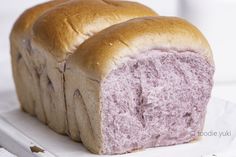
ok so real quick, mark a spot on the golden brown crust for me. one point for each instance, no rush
(25, 21)
(64, 27)
(101, 53)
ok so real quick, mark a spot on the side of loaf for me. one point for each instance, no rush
(140, 84)
(22, 56)
(42, 39)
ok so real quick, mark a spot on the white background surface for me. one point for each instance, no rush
(215, 18)
(5, 153)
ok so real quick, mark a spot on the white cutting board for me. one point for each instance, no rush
(20, 131)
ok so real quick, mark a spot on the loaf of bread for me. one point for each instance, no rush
(42, 39)
(139, 84)
(111, 78)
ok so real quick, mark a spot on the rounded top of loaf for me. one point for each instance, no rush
(105, 50)
(25, 21)
(61, 29)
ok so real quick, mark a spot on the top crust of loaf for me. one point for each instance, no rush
(64, 27)
(24, 23)
(103, 52)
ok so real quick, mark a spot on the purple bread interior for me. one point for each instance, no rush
(156, 98)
